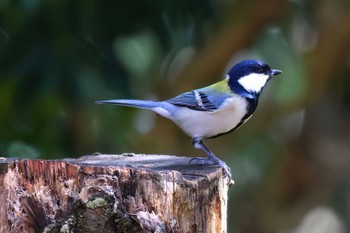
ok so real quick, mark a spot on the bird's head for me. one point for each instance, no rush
(249, 77)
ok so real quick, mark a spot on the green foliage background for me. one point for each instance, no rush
(290, 161)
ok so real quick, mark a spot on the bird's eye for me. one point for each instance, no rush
(263, 69)
(260, 70)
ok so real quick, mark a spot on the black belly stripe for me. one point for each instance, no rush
(252, 104)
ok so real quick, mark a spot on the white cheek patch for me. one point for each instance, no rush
(253, 82)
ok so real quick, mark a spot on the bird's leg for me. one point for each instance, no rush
(212, 159)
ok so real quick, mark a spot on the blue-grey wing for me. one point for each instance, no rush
(200, 100)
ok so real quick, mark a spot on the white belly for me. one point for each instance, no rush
(208, 124)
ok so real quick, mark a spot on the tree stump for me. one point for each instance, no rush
(112, 193)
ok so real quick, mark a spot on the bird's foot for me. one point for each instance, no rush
(227, 170)
(214, 161)
(202, 161)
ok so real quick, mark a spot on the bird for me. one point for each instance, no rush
(213, 110)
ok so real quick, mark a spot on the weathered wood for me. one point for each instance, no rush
(112, 193)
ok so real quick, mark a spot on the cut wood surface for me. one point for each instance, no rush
(112, 193)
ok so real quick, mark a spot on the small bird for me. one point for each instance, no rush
(214, 110)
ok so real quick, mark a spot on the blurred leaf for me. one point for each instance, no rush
(22, 150)
(137, 52)
(292, 83)
(4, 37)
(250, 162)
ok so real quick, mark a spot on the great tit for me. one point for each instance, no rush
(214, 110)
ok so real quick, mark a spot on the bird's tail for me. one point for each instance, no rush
(146, 104)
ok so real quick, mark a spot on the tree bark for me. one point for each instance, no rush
(112, 193)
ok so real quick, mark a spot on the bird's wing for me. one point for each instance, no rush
(205, 99)
(195, 100)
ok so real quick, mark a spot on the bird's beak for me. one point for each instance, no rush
(275, 72)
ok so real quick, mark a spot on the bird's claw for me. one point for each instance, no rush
(227, 170)
(208, 161)
(203, 161)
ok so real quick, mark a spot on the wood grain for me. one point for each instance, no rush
(112, 193)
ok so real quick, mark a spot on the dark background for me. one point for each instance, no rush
(290, 162)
